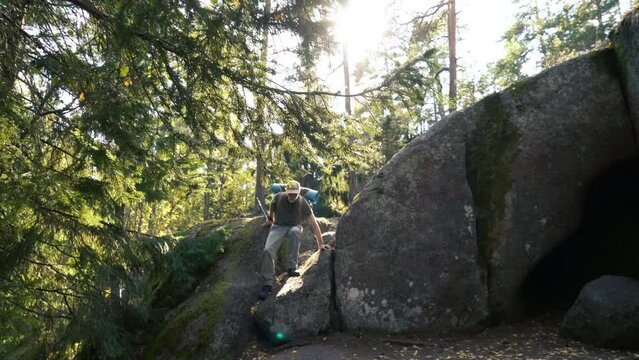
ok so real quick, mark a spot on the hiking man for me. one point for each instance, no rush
(290, 210)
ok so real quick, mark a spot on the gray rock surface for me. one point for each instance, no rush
(407, 249)
(533, 151)
(302, 306)
(452, 225)
(606, 313)
(625, 40)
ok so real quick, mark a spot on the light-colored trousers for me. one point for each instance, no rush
(273, 243)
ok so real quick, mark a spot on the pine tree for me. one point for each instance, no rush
(553, 34)
(109, 111)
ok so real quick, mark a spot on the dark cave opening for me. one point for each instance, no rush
(606, 243)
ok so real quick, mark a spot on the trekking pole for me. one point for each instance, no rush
(261, 207)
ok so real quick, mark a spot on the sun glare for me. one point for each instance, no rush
(361, 25)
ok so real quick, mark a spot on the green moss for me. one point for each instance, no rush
(493, 146)
(242, 233)
(621, 54)
(606, 62)
(521, 88)
(210, 304)
(209, 225)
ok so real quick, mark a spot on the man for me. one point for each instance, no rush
(290, 210)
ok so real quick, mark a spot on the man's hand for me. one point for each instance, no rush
(268, 222)
(325, 247)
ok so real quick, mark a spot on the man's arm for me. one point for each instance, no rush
(271, 211)
(318, 233)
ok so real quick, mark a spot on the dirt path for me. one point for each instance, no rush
(532, 339)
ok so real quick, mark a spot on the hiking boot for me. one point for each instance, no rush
(264, 292)
(292, 272)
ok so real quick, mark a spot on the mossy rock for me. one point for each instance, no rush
(216, 320)
(479, 200)
(533, 149)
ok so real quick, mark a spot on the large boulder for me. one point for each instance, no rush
(533, 151)
(302, 307)
(626, 45)
(216, 321)
(606, 313)
(407, 249)
(452, 225)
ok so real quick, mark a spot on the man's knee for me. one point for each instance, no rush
(295, 231)
(271, 252)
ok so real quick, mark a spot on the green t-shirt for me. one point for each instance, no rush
(290, 213)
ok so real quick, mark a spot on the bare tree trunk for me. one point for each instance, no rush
(352, 176)
(207, 193)
(452, 55)
(259, 146)
(152, 221)
(259, 180)
(140, 220)
(11, 38)
(347, 81)
(438, 97)
(221, 199)
(599, 36)
(207, 205)
(435, 109)
(543, 48)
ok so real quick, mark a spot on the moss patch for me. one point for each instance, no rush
(242, 234)
(492, 149)
(620, 51)
(209, 225)
(200, 316)
(605, 62)
(210, 306)
(520, 89)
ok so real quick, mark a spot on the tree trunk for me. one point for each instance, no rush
(452, 55)
(152, 222)
(11, 22)
(543, 48)
(599, 39)
(207, 205)
(220, 208)
(435, 109)
(352, 177)
(207, 193)
(259, 146)
(140, 219)
(347, 81)
(259, 180)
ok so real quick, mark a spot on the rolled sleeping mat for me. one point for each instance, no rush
(309, 194)
(276, 188)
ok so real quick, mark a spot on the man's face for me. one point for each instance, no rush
(292, 197)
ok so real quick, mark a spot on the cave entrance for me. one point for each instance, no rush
(606, 243)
